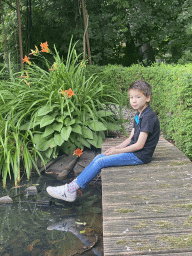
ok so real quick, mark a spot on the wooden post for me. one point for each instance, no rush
(20, 37)
(86, 34)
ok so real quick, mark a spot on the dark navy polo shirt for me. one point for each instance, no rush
(148, 122)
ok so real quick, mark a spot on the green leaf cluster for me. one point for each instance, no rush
(37, 102)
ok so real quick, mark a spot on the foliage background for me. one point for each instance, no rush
(164, 27)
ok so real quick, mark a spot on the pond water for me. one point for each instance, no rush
(40, 225)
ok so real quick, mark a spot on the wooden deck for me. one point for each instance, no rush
(147, 210)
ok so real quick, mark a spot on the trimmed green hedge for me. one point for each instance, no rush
(171, 99)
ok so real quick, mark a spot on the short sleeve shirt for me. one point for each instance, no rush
(148, 122)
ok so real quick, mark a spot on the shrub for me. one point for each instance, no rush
(56, 109)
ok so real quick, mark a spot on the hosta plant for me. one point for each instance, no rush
(60, 108)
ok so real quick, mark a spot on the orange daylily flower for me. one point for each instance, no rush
(26, 59)
(78, 152)
(44, 47)
(45, 50)
(69, 92)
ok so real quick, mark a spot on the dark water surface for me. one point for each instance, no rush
(40, 225)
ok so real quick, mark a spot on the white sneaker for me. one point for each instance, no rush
(61, 192)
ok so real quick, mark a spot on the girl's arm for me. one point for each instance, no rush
(132, 148)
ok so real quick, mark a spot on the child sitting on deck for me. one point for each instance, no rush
(137, 149)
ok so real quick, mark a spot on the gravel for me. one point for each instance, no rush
(128, 115)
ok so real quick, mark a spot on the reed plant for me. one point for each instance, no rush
(53, 109)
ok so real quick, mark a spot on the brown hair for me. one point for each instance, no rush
(141, 86)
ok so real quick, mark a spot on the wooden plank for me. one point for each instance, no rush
(147, 208)
(143, 245)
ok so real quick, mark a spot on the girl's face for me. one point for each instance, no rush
(138, 100)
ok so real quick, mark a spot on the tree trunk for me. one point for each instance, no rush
(86, 36)
(19, 32)
(29, 25)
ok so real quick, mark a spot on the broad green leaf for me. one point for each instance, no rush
(59, 119)
(25, 126)
(97, 126)
(96, 142)
(65, 132)
(68, 121)
(102, 134)
(37, 121)
(73, 137)
(57, 126)
(44, 110)
(48, 130)
(87, 133)
(41, 143)
(46, 120)
(113, 127)
(78, 144)
(93, 141)
(77, 120)
(99, 142)
(104, 113)
(58, 139)
(85, 143)
(68, 147)
(52, 143)
(48, 152)
(77, 129)
(66, 113)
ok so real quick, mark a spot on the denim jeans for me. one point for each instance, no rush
(102, 161)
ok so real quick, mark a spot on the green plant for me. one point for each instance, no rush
(58, 106)
(16, 152)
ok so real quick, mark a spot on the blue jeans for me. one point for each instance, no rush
(101, 161)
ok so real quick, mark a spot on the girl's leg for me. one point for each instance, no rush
(102, 161)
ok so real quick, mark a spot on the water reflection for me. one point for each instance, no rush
(79, 230)
(38, 225)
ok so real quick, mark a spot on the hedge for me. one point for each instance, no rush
(171, 98)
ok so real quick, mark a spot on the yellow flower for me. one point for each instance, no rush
(34, 52)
